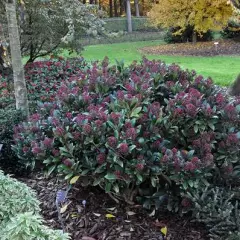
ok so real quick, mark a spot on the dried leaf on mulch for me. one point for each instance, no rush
(90, 222)
(213, 48)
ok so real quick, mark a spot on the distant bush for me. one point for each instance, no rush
(120, 24)
(186, 36)
(127, 37)
(19, 213)
(232, 30)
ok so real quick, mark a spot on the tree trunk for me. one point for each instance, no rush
(18, 71)
(115, 8)
(194, 37)
(136, 3)
(129, 17)
(121, 3)
(110, 8)
(143, 8)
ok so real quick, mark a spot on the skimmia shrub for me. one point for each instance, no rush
(150, 131)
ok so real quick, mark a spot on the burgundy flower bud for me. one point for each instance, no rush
(25, 149)
(59, 131)
(67, 162)
(131, 133)
(140, 166)
(55, 152)
(36, 150)
(156, 144)
(117, 174)
(76, 135)
(174, 150)
(112, 142)
(195, 161)
(115, 117)
(191, 110)
(69, 115)
(189, 167)
(123, 149)
(101, 158)
(165, 159)
(48, 142)
(87, 129)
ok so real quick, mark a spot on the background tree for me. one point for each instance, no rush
(45, 25)
(201, 15)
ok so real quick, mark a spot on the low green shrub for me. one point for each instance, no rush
(127, 37)
(15, 197)
(28, 226)
(19, 213)
(120, 24)
(217, 208)
(8, 119)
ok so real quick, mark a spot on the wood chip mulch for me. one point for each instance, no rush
(205, 49)
(90, 222)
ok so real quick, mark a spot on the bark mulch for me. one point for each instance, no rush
(90, 222)
(205, 49)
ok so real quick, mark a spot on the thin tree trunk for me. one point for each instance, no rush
(115, 8)
(121, 3)
(18, 71)
(129, 17)
(110, 8)
(194, 37)
(136, 3)
(143, 7)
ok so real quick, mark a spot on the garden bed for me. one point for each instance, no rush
(214, 48)
(129, 222)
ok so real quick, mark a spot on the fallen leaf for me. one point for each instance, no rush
(164, 231)
(88, 238)
(74, 179)
(108, 215)
(125, 234)
(64, 208)
(111, 209)
(130, 213)
(97, 214)
(152, 213)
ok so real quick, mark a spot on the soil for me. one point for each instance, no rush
(90, 222)
(205, 49)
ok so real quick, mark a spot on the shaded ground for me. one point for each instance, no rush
(90, 223)
(214, 48)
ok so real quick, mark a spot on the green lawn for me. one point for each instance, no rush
(223, 69)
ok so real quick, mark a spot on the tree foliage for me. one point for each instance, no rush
(202, 15)
(45, 25)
